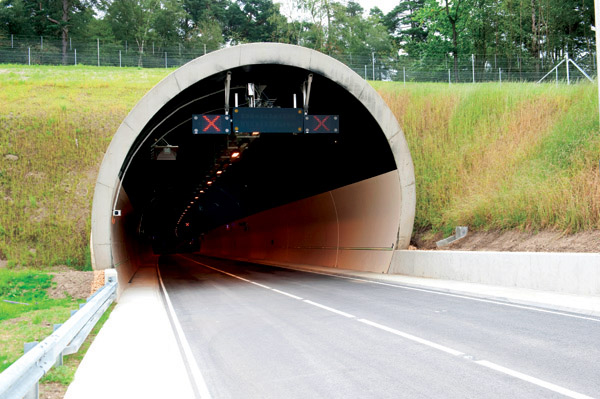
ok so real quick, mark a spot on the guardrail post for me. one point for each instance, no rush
(34, 392)
(59, 359)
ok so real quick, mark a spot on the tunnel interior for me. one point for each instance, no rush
(176, 201)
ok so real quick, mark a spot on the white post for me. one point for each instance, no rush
(28, 55)
(152, 48)
(373, 56)
(568, 78)
(365, 72)
(42, 42)
(166, 60)
(404, 74)
(597, 8)
(75, 56)
(473, 66)
(98, 47)
(500, 74)
(449, 81)
(119, 58)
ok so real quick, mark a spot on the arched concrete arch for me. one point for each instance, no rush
(108, 244)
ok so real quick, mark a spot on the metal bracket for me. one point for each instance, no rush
(306, 92)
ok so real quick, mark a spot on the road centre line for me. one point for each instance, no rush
(484, 363)
(433, 291)
(348, 315)
(185, 345)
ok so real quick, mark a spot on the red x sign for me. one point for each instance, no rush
(211, 123)
(322, 124)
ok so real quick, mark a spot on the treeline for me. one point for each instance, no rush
(523, 32)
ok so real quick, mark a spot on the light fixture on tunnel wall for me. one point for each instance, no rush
(165, 153)
(235, 154)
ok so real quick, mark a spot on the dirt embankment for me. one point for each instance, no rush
(76, 284)
(516, 241)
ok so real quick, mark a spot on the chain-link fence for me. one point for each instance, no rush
(373, 66)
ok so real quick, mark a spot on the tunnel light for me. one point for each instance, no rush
(209, 182)
(219, 172)
(256, 133)
(192, 202)
(201, 191)
(196, 198)
(189, 206)
(235, 154)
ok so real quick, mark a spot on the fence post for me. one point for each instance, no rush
(119, 58)
(41, 42)
(365, 72)
(373, 56)
(28, 55)
(557, 76)
(11, 42)
(98, 48)
(473, 66)
(166, 65)
(449, 81)
(404, 74)
(568, 78)
(500, 74)
(75, 56)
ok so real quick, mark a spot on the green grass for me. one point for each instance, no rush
(29, 289)
(58, 121)
(511, 156)
(32, 322)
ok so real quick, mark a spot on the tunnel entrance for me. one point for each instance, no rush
(230, 195)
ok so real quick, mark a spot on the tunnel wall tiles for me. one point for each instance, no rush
(353, 227)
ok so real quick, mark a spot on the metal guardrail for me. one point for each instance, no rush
(21, 378)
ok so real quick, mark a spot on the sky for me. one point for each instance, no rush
(288, 6)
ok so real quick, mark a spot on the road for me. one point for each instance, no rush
(254, 331)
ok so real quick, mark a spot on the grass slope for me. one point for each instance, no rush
(510, 156)
(488, 156)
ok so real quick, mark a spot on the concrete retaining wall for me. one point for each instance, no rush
(574, 273)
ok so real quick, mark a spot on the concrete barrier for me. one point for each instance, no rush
(573, 273)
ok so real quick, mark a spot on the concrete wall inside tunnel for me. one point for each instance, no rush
(354, 226)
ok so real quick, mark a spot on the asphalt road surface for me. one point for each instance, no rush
(254, 331)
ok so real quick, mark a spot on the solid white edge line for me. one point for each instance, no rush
(433, 291)
(348, 315)
(187, 350)
(413, 338)
(533, 380)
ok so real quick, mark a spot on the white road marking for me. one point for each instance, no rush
(533, 380)
(348, 315)
(442, 348)
(422, 341)
(187, 350)
(286, 294)
(433, 291)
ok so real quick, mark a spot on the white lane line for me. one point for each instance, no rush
(533, 380)
(286, 294)
(422, 341)
(348, 315)
(260, 285)
(433, 291)
(187, 350)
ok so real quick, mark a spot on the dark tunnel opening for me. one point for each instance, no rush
(172, 199)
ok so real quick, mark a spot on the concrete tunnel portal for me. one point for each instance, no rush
(342, 199)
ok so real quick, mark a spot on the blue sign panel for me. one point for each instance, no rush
(267, 120)
(211, 124)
